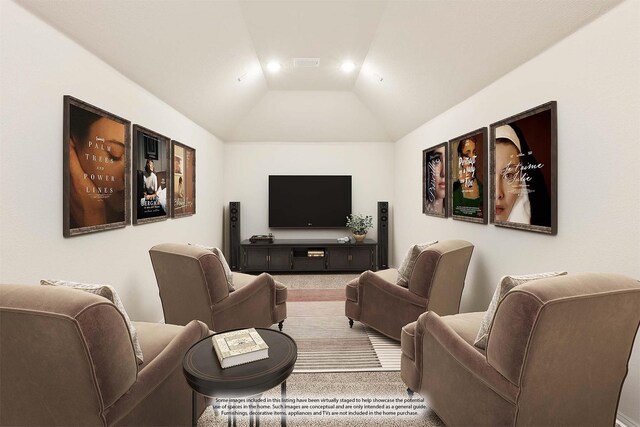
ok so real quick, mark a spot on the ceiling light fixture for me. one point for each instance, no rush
(274, 66)
(348, 66)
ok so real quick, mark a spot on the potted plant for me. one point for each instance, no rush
(359, 224)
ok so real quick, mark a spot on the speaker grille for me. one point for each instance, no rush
(234, 236)
(383, 235)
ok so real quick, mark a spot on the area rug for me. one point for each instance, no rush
(315, 281)
(300, 295)
(326, 343)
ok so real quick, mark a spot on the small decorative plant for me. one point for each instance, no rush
(359, 224)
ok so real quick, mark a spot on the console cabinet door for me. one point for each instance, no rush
(361, 258)
(256, 259)
(280, 259)
(338, 259)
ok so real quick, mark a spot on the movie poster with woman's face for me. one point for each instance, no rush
(95, 170)
(184, 180)
(434, 181)
(151, 156)
(524, 170)
(467, 165)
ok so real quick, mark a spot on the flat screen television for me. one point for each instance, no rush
(309, 201)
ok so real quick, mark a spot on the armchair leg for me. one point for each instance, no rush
(280, 323)
(350, 322)
(410, 393)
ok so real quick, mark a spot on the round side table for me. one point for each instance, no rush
(202, 370)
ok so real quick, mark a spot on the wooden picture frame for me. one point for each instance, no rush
(183, 171)
(96, 174)
(434, 181)
(151, 187)
(467, 190)
(524, 170)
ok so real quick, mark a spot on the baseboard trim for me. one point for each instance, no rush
(623, 421)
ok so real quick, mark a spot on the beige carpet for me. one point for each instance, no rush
(386, 385)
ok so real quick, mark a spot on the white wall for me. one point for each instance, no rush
(39, 66)
(248, 166)
(595, 76)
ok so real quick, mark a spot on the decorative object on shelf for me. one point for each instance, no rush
(524, 170)
(152, 176)
(434, 181)
(261, 238)
(95, 169)
(467, 192)
(359, 224)
(239, 347)
(183, 196)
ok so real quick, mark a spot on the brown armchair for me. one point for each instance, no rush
(193, 285)
(66, 358)
(435, 284)
(557, 354)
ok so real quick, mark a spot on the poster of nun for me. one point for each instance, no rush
(184, 180)
(151, 169)
(524, 170)
(468, 173)
(434, 181)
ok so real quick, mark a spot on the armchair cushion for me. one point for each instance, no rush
(409, 263)
(109, 293)
(506, 284)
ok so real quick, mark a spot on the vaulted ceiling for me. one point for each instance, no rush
(414, 58)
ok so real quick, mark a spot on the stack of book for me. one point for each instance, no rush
(239, 347)
(315, 253)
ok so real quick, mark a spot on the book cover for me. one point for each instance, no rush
(238, 347)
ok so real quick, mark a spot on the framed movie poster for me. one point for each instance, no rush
(184, 180)
(434, 181)
(468, 166)
(152, 173)
(95, 169)
(524, 170)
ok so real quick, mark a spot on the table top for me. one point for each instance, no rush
(204, 374)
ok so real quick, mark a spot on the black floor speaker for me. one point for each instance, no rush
(234, 235)
(383, 235)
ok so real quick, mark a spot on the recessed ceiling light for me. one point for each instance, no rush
(348, 66)
(274, 66)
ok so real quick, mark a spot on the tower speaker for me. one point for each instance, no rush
(234, 235)
(383, 235)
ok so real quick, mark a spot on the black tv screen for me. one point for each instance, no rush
(309, 201)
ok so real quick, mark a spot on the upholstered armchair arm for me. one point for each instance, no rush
(253, 305)
(464, 353)
(387, 306)
(157, 371)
